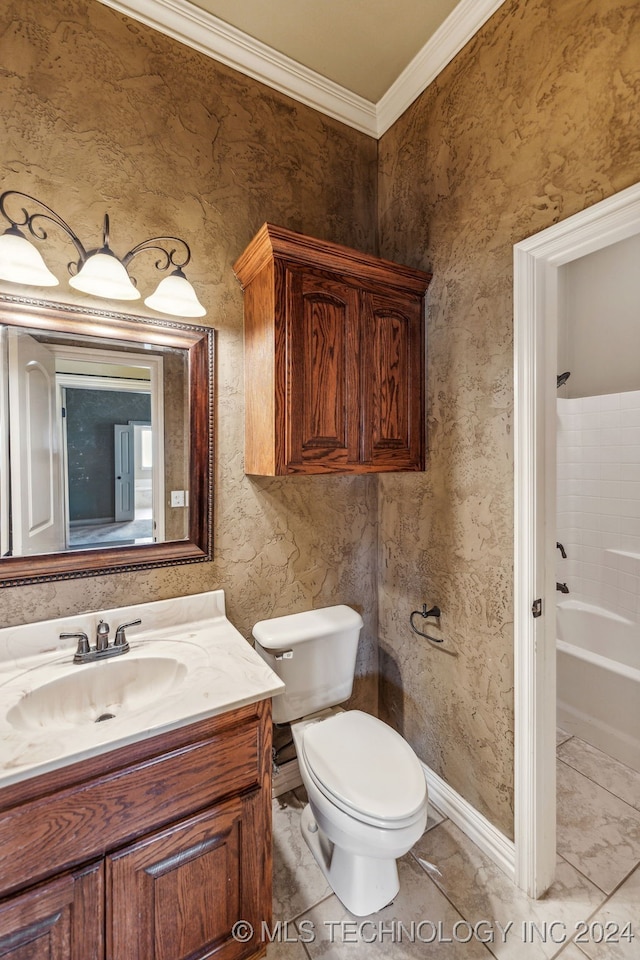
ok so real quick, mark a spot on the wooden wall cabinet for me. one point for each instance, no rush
(334, 358)
(151, 852)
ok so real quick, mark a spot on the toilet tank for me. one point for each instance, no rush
(314, 653)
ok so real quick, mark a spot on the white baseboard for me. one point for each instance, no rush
(472, 823)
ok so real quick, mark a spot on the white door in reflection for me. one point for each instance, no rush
(36, 501)
(124, 472)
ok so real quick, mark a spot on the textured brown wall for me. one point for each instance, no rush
(536, 119)
(99, 113)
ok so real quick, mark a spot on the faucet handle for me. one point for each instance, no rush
(121, 639)
(74, 636)
(83, 644)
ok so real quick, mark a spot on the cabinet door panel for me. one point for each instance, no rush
(393, 342)
(176, 895)
(60, 920)
(323, 346)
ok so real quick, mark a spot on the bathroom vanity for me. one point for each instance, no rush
(147, 835)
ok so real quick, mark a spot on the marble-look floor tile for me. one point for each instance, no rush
(614, 776)
(419, 923)
(298, 882)
(480, 891)
(570, 952)
(598, 833)
(561, 736)
(614, 931)
(287, 946)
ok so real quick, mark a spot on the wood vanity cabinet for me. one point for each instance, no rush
(334, 358)
(150, 852)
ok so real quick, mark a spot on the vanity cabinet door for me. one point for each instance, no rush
(62, 919)
(177, 894)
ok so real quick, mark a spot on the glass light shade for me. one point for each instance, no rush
(175, 295)
(20, 262)
(102, 275)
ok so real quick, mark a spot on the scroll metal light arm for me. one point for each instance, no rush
(37, 231)
(98, 272)
(168, 258)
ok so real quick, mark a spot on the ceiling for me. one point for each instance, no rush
(363, 45)
(360, 61)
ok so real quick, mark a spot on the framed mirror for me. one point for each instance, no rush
(106, 441)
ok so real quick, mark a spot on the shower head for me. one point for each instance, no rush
(562, 378)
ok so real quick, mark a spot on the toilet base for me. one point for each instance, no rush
(363, 884)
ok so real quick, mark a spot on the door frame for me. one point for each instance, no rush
(154, 385)
(537, 291)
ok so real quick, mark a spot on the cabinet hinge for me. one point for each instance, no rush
(536, 608)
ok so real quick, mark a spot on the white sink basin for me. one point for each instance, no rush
(98, 691)
(188, 663)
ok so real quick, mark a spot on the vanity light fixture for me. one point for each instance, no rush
(98, 272)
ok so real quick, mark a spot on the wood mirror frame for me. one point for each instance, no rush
(198, 343)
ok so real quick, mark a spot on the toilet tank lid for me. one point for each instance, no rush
(296, 628)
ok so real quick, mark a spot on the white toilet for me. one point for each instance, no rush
(367, 791)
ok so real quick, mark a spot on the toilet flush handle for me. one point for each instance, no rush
(284, 655)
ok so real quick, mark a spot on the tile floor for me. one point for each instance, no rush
(455, 903)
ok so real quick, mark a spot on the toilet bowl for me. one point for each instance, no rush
(366, 787)
(367, 803)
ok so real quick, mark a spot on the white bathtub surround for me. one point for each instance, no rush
(216, 670)
(598, 679)
(598, 518)
(598, 524)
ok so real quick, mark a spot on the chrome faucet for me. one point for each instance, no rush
(85, 653)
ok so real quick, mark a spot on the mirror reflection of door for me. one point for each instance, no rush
(124, 470)
(36, 502)
(110, 491)
(64, 404)
(133, 452)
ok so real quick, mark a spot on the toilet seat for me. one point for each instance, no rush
(365, 768)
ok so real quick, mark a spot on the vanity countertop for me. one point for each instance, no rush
(187, 662)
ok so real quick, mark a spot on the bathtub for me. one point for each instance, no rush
(598, 679)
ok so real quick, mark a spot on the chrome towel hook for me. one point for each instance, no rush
(424, 613)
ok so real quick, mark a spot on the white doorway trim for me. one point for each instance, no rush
(537, 261)
(152, 382)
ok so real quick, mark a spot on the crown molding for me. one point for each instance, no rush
(202, 31)
(452, 35)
